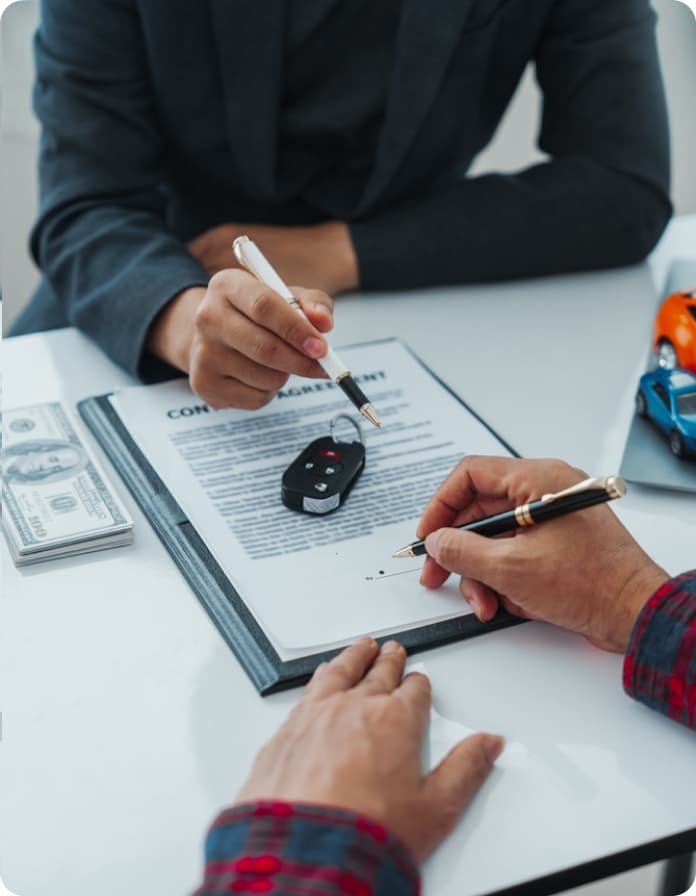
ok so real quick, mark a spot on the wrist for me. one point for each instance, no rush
(633, 593)
(172, 332)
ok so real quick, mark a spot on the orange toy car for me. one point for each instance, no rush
(674, 333)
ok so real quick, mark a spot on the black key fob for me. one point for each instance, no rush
(321, 477)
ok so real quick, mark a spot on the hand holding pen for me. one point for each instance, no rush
(239, 341)
(252, 259)
(582, 571)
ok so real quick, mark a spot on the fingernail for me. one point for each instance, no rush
(392, 647)
(313, 347)
(366, 641)
(494, 746)
(431, 543)
(475, 605)
(322, 308)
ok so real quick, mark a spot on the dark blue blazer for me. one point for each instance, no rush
(160, 120)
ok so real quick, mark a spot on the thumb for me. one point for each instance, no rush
(466, 554)
(452, 784)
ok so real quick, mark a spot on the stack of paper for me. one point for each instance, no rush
(56, 500)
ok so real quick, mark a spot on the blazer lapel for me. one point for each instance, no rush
(249, 36)
(427, 36)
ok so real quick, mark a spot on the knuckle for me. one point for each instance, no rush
(261, 306)
(278, 380)
(205, 317)
(199, 382)
(295, 330)
(387, 712)
(318, 674)
(447, 549)
(340, 675)
(262, 349)
(257, 400)
(226, 280)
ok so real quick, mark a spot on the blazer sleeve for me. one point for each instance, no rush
(660, 665)
(292, 848)
(602, 199)
(101, 238)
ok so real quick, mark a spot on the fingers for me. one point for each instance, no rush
(222, 392)
(267, 309)
(317, 305)
(496, 483)
(230, 363)
(415, 692)
(461, 488)
(468, 555)
(387, 670)
(483, 600)
(344, 671)
(451, 786)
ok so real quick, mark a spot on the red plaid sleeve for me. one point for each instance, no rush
(660, 665)
(294, 849)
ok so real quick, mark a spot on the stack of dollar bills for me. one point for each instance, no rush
(56, 501)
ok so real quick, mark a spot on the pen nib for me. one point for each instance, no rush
(403, 552)
(368, 411)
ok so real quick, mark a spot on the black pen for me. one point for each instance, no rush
(577, 497)
(253, 260)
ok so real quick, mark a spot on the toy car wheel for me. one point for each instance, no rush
(667, 355)
(676, 443)
(641, 404)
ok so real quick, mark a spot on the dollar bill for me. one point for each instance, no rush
(56, 499)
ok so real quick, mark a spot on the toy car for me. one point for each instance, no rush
(674, 332)
(668, 398)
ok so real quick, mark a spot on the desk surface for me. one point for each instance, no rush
(127, 723)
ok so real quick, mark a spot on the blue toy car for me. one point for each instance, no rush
(668, 398)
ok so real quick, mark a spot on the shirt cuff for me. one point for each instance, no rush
(279, 847)
(660, 664)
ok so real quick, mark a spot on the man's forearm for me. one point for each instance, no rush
(562, 216)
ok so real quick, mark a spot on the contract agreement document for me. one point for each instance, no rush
(314, 582)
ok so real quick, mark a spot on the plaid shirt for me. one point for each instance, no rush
(660, 666)
(304, 850)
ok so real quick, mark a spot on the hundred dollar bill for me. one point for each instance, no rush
(56, 499)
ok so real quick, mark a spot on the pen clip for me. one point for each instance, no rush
(614, 486)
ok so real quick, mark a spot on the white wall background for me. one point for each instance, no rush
(513, 147)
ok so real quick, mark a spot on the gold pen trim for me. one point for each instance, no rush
(523, 516)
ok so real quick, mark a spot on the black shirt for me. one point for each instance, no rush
(337, 68)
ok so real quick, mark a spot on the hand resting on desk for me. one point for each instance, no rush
(336, 802)
(354, 741)
(583, 572)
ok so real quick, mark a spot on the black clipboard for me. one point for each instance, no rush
(223, 604)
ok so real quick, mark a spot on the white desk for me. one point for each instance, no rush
(127, 723)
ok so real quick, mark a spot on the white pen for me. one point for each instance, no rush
(253, 260)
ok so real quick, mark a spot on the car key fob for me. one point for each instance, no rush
(321, 477)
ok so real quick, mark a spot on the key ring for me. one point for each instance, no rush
(350, 419)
